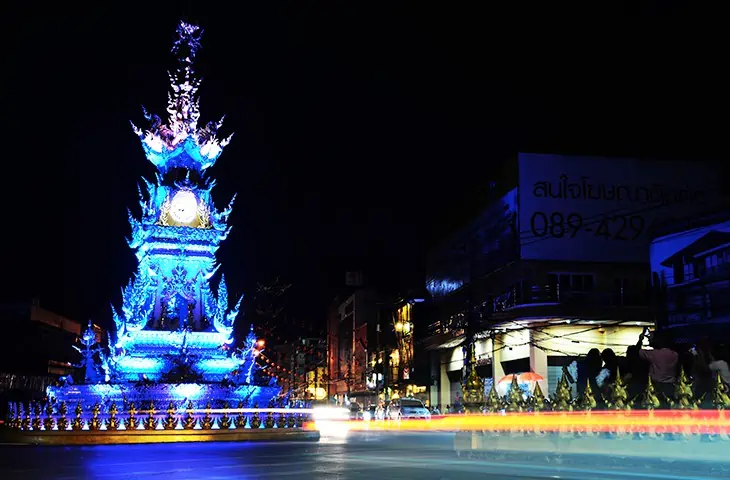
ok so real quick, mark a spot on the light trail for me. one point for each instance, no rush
(650, 422)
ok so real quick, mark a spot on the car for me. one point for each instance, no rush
(405, 408)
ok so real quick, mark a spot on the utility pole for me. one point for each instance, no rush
(377, 355)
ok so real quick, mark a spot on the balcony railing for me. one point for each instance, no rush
(535, 295)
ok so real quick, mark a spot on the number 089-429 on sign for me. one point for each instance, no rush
(559, 225)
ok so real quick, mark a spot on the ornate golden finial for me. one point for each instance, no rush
(62, 421)
(281, 421)
(95, 423)
(37, 421)
(684, 397)
(537, 401)
(255, 419)
(49, 422)
(132, 422)
(649, 399)
(25, 415)
(150, 422)
(563, 398)
(720, 397)
(225, 422)
(78, 423)
(473, 386)
(240, 418)
(587, 401)
(514, 402)
(493, 403)
(189, 422)
(170, 420)
(113, 423)
(290, 420)
(12, 417)
(269, 420)
(207, 422)
(618, 397)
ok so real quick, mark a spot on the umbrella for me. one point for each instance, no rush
(507, 379)
(529, 377)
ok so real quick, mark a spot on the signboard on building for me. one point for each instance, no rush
(603, 209)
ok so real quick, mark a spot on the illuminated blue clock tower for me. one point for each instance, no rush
(171, 322)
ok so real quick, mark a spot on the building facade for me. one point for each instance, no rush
(691, 277)
(372, 348)
(352, 323)
(555, 266)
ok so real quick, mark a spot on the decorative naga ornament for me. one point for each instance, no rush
(169, 305)
(132, 422)
(281, 420)
(224, 423)
(78, 423)
(618, 396)
(12, 417)
(255, 419)
(49, 422)
(170, 420)
(587, 401)
(37, 420)
(24, 420)
(95, 423)
(473, 386)
(514, 402)
(62, 421)
(649, 399)
(720, 397)
(493, 403)
(538, 402)
(563, 398)
(269, 420)
(113, 423)
(207, 422)
(240, 418)
(684, 396)
(189, 421)
(25, 414)
(150, 422)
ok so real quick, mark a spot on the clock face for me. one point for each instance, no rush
(184, 206)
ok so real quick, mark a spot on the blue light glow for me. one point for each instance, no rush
(170, 316)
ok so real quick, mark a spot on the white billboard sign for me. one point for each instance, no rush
(602, 209)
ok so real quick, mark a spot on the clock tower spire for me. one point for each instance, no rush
(175, 239)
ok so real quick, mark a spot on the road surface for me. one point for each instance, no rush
(364, 455)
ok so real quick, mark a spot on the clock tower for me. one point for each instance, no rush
(170, 315)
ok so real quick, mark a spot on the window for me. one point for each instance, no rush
(715, 261)
(688, 271)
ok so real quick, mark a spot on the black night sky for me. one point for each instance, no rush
(358, 129)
